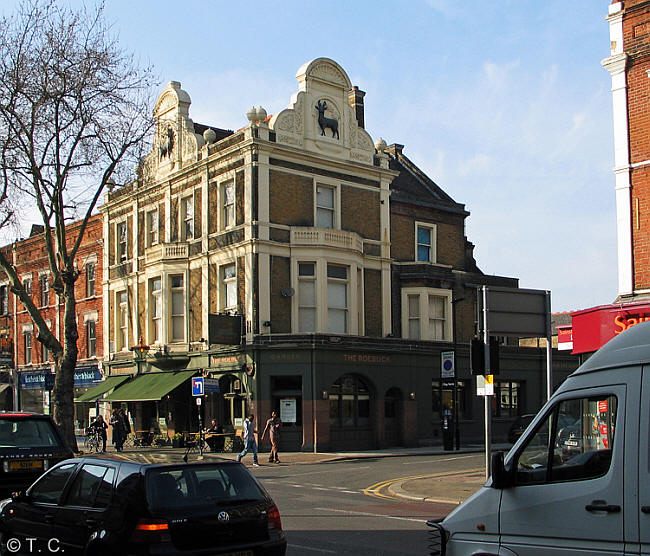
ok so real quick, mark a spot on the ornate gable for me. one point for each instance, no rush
(320, 117)
(175, 143)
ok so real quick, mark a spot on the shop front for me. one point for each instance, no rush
(157, 403)
(592, 328)
(35, 389)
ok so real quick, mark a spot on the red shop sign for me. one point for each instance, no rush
(593, 328)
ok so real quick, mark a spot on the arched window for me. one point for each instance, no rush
(349, 402)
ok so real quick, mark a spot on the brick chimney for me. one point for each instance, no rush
(355, 98)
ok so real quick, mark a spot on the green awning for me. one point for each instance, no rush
(149, 386)
(98, 391)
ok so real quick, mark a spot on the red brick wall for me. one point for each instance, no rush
(636, 33)
(31, 259)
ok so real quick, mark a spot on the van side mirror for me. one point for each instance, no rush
(500, 476)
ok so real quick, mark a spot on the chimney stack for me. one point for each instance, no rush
(355, 99)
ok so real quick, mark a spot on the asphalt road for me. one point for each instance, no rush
(344, 508)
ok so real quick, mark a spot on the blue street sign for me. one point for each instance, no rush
(197, 386)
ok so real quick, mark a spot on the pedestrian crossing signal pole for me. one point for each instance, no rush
(486, 397)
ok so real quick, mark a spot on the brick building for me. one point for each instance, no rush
(629, 67)
(348, 265)
(33, 362)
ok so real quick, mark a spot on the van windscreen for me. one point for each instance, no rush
(200, 486)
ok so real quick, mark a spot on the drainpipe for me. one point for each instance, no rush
(313, 395)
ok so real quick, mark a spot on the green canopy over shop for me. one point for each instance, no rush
(149, 387)
(98, 391)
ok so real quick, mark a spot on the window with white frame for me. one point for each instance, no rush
(122, 321)
(228, 205)
(229, 287)
(45, 353)
(90, 279)
(45, 289)
(27, 341)
(425, 242)
(187, 213)
(91, 338)
(121, 242)
(155, 310)
(325, 206)
(307, 297)
(413, 302)
(178, 308)
(152, 228)
(426, 314)
(337, 299)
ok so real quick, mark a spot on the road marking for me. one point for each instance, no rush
(314, 549)
(438, 460)
(337, 470)
(366, 514)
(377, 490)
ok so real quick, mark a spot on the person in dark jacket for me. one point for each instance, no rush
(119, 435)
(100, 425)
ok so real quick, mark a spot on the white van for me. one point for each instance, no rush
(578, 479)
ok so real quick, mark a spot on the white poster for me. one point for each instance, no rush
(288, 410)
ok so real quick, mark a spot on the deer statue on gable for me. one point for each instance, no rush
(324, 122)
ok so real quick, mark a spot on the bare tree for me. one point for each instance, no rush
(74, 114)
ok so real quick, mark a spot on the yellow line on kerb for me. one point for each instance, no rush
(376, 489)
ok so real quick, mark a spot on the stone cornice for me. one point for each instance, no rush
(615, 64)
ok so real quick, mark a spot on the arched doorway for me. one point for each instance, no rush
(350, 409)
(393, 409)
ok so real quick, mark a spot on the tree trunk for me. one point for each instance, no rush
(65, 364)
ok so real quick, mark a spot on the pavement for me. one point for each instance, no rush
(451, 487)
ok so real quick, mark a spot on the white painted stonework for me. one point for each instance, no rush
(175, 144)
(323, 80)
(616, 65)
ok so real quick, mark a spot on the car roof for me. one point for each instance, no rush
(143, 467)
(24, 414)
(631, 347)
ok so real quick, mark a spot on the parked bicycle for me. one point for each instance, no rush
(93, 440)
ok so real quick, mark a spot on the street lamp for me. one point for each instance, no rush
(140, 351)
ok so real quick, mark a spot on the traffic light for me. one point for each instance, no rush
(494, 355)
(477, 356)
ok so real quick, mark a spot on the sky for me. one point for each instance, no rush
(505, 105)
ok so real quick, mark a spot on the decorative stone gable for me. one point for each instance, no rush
(175, 143)
(320, 117)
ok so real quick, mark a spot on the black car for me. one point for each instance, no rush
(30, 443)
(519, 426)
(106, 506)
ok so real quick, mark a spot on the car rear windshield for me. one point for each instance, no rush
(25, 432)
(200, 486)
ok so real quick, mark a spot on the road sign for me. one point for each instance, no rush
(197, 386)
(485, 385)
(198, 401)
(447, 368)
(211, 385)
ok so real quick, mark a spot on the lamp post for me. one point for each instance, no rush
(140, 351)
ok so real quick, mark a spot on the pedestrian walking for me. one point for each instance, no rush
(249, 440)
(273, 427)
(118, 430)
(100, 425)
(125, 424)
